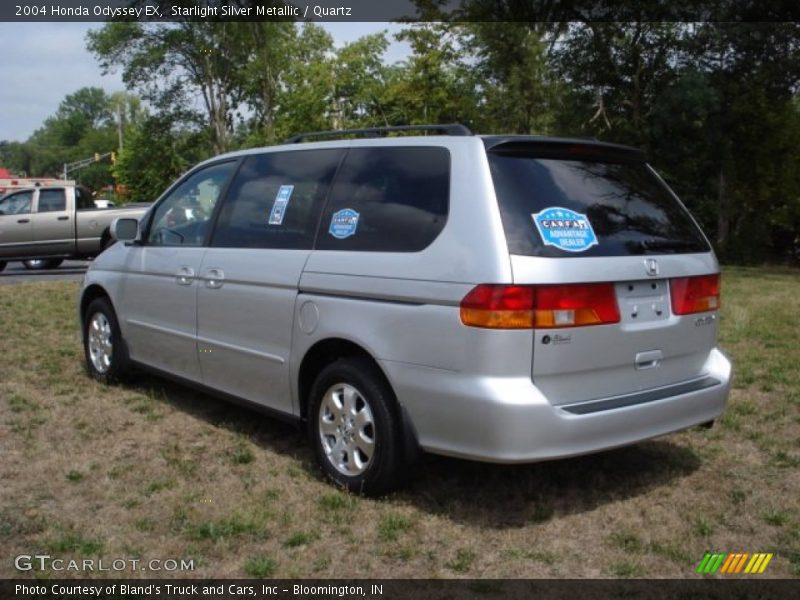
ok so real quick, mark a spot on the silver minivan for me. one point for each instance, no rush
(499, 298)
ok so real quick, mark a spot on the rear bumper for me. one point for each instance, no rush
(509, 420)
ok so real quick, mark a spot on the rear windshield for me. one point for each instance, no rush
(566, 207)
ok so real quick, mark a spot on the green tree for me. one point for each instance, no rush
(359, 80)
(129, 112)
(276, 53)
(16, 157)
(520, 91)
(87, 109)
(616, 72)
(304, 90)
(171, 64)
(146, 173)
(713, 103)
(434, 85)
(82, 126)
(755, 70)
(681, 126)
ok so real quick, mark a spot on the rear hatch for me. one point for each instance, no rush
(625, 285)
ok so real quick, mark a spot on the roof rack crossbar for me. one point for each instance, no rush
(447, 129)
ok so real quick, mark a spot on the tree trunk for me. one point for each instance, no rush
(723, 217)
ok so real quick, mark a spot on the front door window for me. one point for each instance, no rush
(183, 218)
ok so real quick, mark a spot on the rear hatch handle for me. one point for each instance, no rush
(649, 359)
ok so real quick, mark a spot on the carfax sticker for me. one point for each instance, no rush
(565, 229)
(279, 206)
(343, 223)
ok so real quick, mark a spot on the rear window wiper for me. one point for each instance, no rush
(645, 245)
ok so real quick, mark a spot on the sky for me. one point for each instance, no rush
(41, 63)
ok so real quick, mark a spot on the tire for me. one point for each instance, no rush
(40, 264)
(106, 241)
(2, 264)
(103, 347)
(351, 401)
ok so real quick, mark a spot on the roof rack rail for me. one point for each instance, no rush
(448, 129)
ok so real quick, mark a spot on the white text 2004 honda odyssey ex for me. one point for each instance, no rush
(499, 298)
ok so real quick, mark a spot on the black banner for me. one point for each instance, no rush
(396, 589)
(399, 10)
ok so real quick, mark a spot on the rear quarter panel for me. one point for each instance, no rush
(404, 307)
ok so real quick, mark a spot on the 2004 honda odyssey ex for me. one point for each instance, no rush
(500, 298)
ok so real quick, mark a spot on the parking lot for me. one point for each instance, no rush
(70, 270)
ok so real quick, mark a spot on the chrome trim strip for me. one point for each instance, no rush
(592, 406)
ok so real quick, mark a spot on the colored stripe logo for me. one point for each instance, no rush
(734, 563)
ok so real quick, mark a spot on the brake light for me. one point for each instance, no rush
(581, 150)
(540, 306)
(499, 307)
(694, 294)
(576, 304)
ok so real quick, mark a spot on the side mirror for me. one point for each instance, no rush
(124, 230)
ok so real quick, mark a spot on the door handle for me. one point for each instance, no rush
(23, 220)
(215, 278)
(648, 360)
(63, 218)
(184, 276)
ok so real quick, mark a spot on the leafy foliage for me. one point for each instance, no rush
(82, 126)
(715, 104)
(155, 155)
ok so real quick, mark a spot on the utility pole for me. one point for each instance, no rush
(119, 124)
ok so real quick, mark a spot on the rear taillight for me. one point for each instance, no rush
(539, 306)
(694, 294)
(572, 305)
(499, 307)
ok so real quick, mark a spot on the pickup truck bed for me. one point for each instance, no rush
(55, 222)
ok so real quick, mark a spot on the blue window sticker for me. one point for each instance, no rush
(343, 223)
(565, 229)
(279, 206)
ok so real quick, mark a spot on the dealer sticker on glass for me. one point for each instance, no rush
(279, 206)
(565, 229)
(344, 223)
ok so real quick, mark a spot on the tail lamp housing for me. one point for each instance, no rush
(691, 295)
(494, 306)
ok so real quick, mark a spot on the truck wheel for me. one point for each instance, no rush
(2, 264)
(106, 355)
(40, 264)
(354, 429)
(106, 241)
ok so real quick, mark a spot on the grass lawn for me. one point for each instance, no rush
(150, 470)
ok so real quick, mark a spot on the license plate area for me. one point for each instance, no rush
(643, 301)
